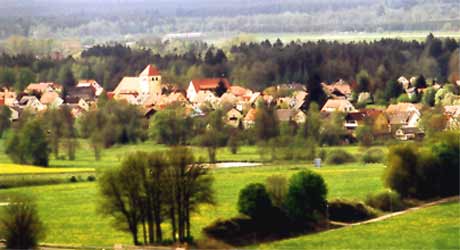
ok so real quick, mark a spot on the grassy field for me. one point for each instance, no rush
(344, 37)
(69, 210)
(435, 227)
(114, 155)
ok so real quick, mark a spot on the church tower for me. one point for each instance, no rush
(150, 81)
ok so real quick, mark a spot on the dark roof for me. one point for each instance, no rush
(85, 93)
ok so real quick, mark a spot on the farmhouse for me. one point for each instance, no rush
(215, 85)
(340, 105)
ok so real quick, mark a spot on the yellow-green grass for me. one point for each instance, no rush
(435, 227)
(353, 36)
(69, 210)
(16, 169)
(113, 156)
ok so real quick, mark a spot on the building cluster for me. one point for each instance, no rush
(238, 103)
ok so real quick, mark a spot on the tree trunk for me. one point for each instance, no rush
(173, 222)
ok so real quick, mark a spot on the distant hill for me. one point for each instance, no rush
(115, 18)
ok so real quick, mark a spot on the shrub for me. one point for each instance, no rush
(424, 173)
(386, 201)
(339, 156)
(350, 211)
(91, 178)
(73, 179)
(306, 197)
(277, 189)
(374, 155)
(254, 201)
(20, 225)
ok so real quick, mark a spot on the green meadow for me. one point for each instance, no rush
(70, 210)
(435, 227)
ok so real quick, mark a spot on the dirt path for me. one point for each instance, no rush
(384, 217)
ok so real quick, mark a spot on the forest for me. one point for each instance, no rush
(113, 20)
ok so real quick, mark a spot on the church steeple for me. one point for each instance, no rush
(150, 81)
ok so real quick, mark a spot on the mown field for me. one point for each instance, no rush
(435, 227)
(344, 37)
(113, 156)
(70, 210)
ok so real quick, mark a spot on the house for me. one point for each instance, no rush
(215, 85)
(240, 92)
(354, 119)
(340, 105)
(138, 89)
(51, 99)
(91, 84)
(250, 118)
(8, 97)
(404, 82)
(42, 87)
(403, 115)
(86, 93)
(233, 117)
(31, 103)
(15, 111)
(338, 90)
(287, 115)
(452, 113)
(409, 133)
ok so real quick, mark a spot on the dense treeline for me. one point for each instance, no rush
(255, 65)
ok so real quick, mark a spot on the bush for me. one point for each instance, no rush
(350, 211)
(91, 178)
(306, 197)
(254, 201)
(73, 179)
(386, 201)
(277, 189)
(20, 225)
(339, 156)
(374, 155)
(425, 173)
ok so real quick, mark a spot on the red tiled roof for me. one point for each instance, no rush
(209, 83)
(150, 70)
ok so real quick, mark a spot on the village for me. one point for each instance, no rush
(146, 91)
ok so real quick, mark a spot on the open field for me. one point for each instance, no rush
(113, 156)
(435, 227)
(16, 169)
(69, 210)
(344, 37)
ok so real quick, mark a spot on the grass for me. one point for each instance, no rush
(113, 156)
(343, 37)
(70, 210)
(435, 227)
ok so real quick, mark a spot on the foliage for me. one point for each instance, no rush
(386, 201)
(364, 135)
(425, 172)
(277, 187)
(148, 185)
(254, 201)
(266, 122)
(171, 127)
(339, 156)
(5, 122)
(306, 197)
(332, 130)
(349, 211)
(433, 121)
(28, 144)
(373, 155)
(20, 225)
